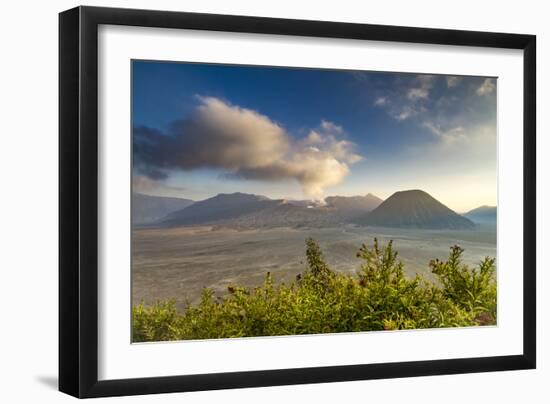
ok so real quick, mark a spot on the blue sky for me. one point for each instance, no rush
(202, 129)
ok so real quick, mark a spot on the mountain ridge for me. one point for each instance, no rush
(482, 214)
(148, 209)
(248, 210)
(409, 209)
(218, 208)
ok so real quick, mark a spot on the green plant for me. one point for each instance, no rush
(379, 297)
(472, 289)
(155, 323)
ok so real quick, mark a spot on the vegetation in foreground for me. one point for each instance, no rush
(378, 297)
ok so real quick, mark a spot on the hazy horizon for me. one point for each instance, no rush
(183, 196)
(200, 130)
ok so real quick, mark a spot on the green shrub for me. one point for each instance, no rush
(379, 297)
(474, 290)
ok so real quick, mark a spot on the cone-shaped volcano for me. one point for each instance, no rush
(416, 209)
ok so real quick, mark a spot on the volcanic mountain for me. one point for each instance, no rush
(483, 214)
(254, 211)
(352, 207)
(148, 209)
(335, 211)
(288, 215)
(416, 209)
(221, 207)
(412, 209)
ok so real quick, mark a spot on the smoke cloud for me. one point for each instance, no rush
(247, 145)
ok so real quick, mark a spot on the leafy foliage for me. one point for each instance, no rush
(379, 297)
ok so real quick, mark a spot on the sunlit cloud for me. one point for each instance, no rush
(449, 135)
(453, 81)
(246, 145)
(487, 87)
(417, 93)
(331, 127)
(422, 91)
(406, 99)
(143, 184)
(425, 102)
(404, 113)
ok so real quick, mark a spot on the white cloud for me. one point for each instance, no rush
(448, 136)
(248, 145)
(417, 93)
(313, 138)
(453, 81)
(487, 87)
(331, 127)
(403, 114)
(422, 91)
(146, 185)
(407, 99)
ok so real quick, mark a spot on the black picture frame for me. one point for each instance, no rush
(78, 201)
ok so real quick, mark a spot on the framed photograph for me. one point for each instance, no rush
(251, 201)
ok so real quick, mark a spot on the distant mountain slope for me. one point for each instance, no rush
(285, 214)
(148, 209)
(302, 202)
(222, 207)
(483, 214)
(416, 209)
(249, 211)
(352, 207)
